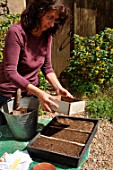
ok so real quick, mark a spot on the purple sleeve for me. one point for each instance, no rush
(47, 66)
(11, 58)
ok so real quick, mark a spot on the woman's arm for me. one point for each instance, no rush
(11, 58)
(45, 99)
(52, 79)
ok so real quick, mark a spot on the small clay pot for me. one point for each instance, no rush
(44, 166)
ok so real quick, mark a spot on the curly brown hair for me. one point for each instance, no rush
(30, 17)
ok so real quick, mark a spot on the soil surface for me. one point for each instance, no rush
(67, 136)
(58, 146)
(101, 147)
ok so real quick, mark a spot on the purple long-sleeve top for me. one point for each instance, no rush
(24, 56)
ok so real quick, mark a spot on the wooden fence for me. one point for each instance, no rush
(92, 16)
(89, 17)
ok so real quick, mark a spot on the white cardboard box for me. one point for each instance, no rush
(69, 106)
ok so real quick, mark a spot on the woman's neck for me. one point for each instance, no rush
(36, 32)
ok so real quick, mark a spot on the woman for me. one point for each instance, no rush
(28, 49)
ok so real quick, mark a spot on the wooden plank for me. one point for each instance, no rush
(104, 15)
(61, 50)
(61, 46)
(85, 18)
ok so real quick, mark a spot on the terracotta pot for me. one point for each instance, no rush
(44, 166)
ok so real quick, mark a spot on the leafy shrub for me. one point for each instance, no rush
(42, 83)
(100, 106)
(91, 64)
(5, 22)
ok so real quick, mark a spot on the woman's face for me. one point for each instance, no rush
(48, 20)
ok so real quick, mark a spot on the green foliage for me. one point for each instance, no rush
(100, 106)
(5, 22)
(42, 84)
(91, 66)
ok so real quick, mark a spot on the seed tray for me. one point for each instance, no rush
(69, 106)
(64, 140)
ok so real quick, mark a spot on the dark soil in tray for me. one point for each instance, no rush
(65, 148)
(67, 134)
(74, 124)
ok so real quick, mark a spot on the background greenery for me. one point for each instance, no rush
(89, 73)
(91, 66)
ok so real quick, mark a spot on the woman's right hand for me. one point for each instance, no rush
(45, 99)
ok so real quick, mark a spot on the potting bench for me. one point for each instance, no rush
(10, 145)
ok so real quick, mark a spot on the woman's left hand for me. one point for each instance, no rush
(63, 92)
(51, 77)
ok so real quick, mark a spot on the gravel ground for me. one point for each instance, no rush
(101, 148)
